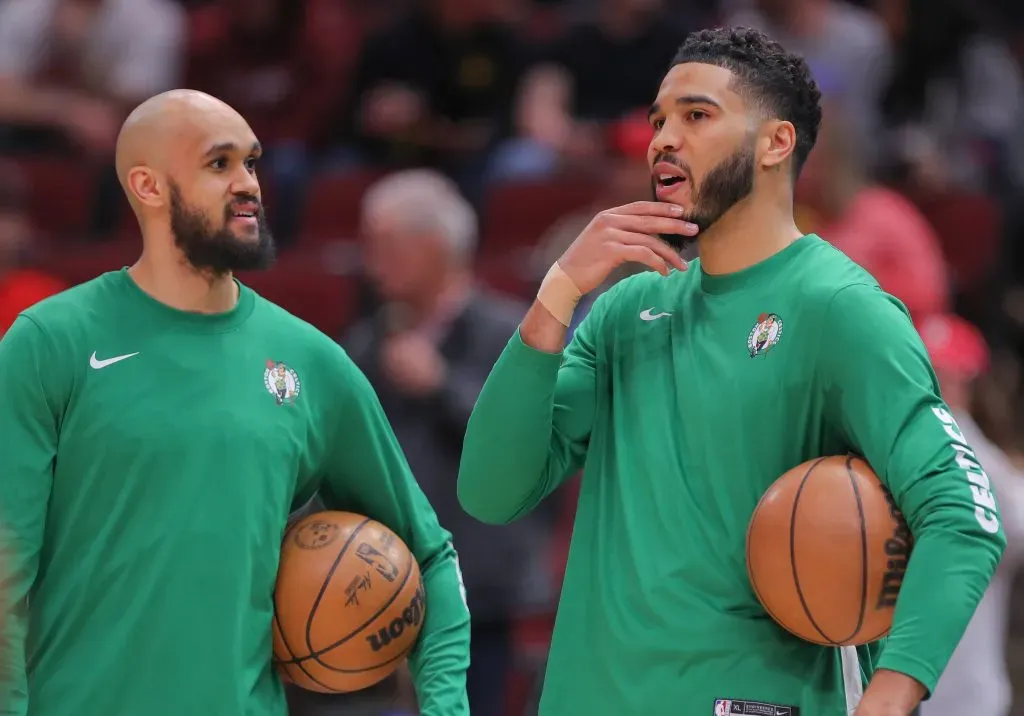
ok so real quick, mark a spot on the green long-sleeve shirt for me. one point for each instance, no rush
(683, 398)
(149, 462)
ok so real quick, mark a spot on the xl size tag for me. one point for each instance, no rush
(738, 707)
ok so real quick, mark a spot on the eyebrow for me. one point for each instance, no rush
(686, 99)
(228, 147)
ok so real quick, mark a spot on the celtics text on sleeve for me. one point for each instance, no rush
(881, 392)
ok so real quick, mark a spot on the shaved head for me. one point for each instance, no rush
(158, 127)
(187, 163)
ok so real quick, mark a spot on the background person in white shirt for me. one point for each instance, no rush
(976, 680)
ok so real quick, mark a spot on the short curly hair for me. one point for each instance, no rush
(779, 82)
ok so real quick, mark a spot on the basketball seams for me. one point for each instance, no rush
(327, 581)
(317, 653)
(382, 629)
(792, 551)
(862, 612)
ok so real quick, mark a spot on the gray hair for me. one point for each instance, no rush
(425, 200)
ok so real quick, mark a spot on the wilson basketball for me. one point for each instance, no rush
(827, 550)
(348, 605)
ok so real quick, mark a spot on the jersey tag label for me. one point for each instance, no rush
(736, 707)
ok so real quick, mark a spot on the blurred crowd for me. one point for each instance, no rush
(426, 161)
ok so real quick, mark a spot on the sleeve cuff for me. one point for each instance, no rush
(529, 357)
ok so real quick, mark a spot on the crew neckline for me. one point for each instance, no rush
(202, 322)
(726, 282)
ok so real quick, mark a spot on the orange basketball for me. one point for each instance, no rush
(348, 605)
(827, 550)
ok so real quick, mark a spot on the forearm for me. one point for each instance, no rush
(441, 656)
(24, 104)
(948, 573)
(506, 467)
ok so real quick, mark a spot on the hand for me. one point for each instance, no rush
(94, 125)
(891, 694)
(413, 364)
(623, 234)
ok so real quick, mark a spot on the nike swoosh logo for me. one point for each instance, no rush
(646, 315)
(98, 364)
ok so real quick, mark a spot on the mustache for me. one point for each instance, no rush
(674, 161)
(240, 200)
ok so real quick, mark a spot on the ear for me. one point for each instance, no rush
(144, 185)
(777, 143)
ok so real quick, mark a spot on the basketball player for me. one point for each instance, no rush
(685, 393)
(159, 423)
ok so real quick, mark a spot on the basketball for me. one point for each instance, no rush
(827, 550)
(348, 605)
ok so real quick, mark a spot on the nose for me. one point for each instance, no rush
(666, 141)
(245, 182)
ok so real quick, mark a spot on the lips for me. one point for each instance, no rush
(668, 175)
(245, 210)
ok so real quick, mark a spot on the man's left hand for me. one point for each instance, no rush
(891, 694)
(413, 364)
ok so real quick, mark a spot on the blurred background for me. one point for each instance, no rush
(421, 153)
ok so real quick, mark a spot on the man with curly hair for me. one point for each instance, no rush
(688, 390)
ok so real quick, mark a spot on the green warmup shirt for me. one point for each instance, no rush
(149, 463)
(683, 398)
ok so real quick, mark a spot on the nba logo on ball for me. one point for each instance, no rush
(723, 707)
(282, 382)
(765, 334)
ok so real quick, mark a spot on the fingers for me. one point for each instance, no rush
(658, 246)
(642, 224)
(649, 208)
(641, 255)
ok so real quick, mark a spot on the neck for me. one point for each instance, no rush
(171, 280)
(747, 234)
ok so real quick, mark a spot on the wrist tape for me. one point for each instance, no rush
(559, 295)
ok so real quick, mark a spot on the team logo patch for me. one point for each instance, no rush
(735, 707)
(765, 334)
(282, 382)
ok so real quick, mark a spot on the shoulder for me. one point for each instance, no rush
(26, 15)
(859, 27)
(67, 311)
(150, 11)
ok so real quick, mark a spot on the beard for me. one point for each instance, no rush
(219, 250)
(724, 186)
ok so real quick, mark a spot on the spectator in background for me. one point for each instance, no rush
(954, 100)
(846, 48)
(435, 88)
(71, 69)
(878, 228)
(597, 73)
(427, 353)
(20, 285)
(976, 680)
(286, 66)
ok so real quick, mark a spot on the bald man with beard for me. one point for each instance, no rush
(150, 460)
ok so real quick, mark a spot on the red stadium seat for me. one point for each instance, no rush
(517, 213)
(333, 206)
(79, 263)
(970, 229)
(60, 194)
(300, 284)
